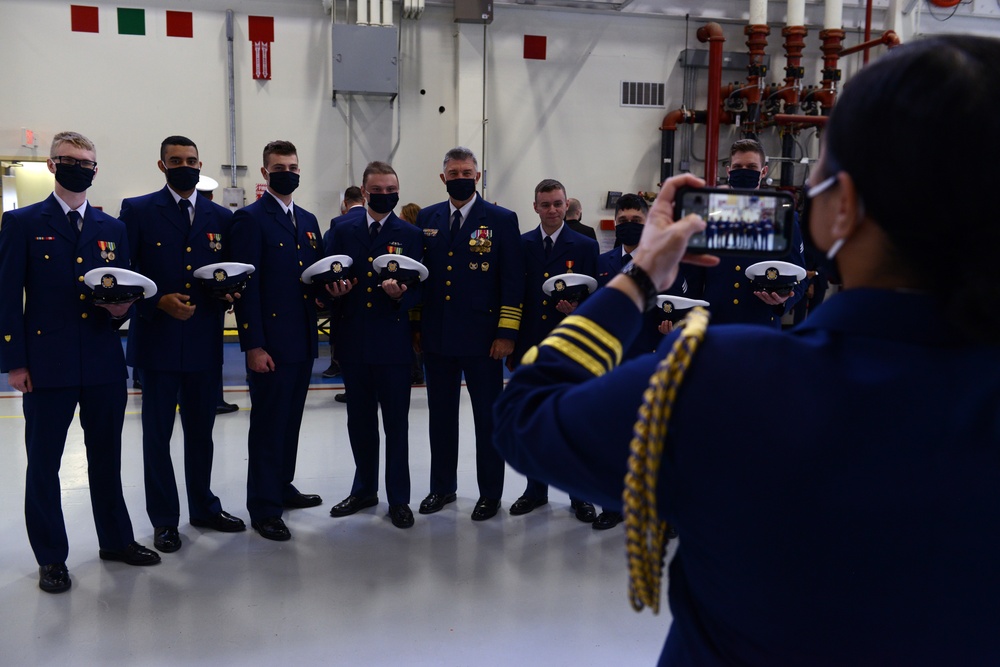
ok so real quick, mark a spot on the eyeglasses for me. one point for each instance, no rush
(72, 162)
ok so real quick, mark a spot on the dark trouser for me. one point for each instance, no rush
(197, 395)
(277, 400)
(484, 379)
(47, 417)
(371, 387)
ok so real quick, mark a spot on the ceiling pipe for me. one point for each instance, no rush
(889, 38)
(712, 33)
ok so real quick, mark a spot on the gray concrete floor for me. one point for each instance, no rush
(541, 589)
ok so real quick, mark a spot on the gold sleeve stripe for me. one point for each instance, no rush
(508, 323)
(599, 354)
(512, 311)
(576, 354)
(599, 333)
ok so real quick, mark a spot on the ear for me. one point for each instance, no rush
(263, 172)
(534, 205)
(763, 173)
(443, 179)
(478, 174)
(51, 165)
(162, 167)
(847, 218)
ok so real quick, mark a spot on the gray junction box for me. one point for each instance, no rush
(365, 60)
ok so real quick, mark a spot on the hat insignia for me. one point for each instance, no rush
(219, 275)
(337, 267)
(393, 266)
(771, 273)
(668, 307)
(108, 281)
(560, 285)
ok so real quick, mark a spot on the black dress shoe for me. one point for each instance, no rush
(486, 508)
(585, 512)
(352, 504)
(340, 398)
(54, 578)
(224, 522)
(272, 528)
(300, 500)
(524, 504)
(401, 516)
(607, 520)
(133, 554)
(167, 539)
(224, 408)
(435, 502)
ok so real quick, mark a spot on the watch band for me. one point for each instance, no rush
(643, 282)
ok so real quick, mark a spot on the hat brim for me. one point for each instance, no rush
(382, 262)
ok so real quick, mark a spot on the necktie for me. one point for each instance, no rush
(291, 218)
(374, 230)
(76, 221)
(626, 258)
(547, 243)
(185, 206)
(456, 223)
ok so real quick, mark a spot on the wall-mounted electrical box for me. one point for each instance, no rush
(365, 60)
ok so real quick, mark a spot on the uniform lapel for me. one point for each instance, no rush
(171, 213)
(58, 222)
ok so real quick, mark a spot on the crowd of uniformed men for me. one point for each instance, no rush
(484, 296)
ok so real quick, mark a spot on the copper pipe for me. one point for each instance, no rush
(889, 38)
(799, 119)
(757, 44)
(794, 45)
(833, 39)
(712, 33)
(868, 28)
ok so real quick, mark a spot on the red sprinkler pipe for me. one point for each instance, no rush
(712, 33)
(799, 119)
(889, 38)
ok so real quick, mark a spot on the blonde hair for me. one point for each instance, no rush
(74, 139)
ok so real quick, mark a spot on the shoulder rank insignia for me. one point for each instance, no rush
(430, 232)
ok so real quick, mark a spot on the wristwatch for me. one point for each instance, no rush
(643, 282)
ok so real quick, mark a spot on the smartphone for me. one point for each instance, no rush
(755, 223)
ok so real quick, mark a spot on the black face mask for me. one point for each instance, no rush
(461, 189)
(744, 179)
(283, 182)
(629, 233)
(73, 177)
(182, 179)
(383, 202)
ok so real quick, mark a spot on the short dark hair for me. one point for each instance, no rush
(629, 202)
(882, 128)
(748, 146)
(174, 140)
(352, 195)
(548, 185)
(279, 147)
(377, 167)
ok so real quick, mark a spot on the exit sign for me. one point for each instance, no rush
(28, 138)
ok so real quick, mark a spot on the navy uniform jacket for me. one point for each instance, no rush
(571, 253)
(804, 540)
(609, 265)
(471, 298)
(57, 334)
(277, 311)
(368, 326)
(352, 213)
(730, 292)
(167, 249)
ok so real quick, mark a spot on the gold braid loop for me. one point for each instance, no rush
(645, 533)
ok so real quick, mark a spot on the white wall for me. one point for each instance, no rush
(556, 118)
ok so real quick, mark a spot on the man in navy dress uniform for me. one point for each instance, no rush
(725, 286)
(176, 339)
(276, 318)
(371, 326)
(60, 350)
(550, 249)
(470, 317)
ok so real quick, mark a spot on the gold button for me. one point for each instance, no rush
(450, 253)
(83, 315)
(246, 325)
(79, 278)
(545, 275)
(304, 296)
(188, 267)
(447, 283)
(298, 246)
(544, 302)
(46, 257)
(39, 332)
(449, 268)
(83, 297)
(158, 244)
(369, 304)
(736, 285)
(736, 302)
(79, 260)
(187, 285)
(737, 267)
(369, 274)
(188, 248)
(448, 298)
(281, 245)
(369, 289)
(370, 259)
(545, 317)
(300, 262)
(274, 314)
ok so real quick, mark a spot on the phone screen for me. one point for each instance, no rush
(740, 221)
